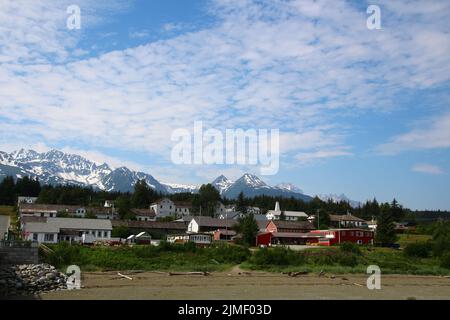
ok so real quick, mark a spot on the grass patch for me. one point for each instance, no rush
(221, 257)
(167, 257)
(405, 239)
(340, 261)
(7, 211)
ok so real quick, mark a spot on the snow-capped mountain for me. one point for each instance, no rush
(179, 188)
(222, 183)
(56, 167)
(252, 186)
(338, 198)
(289, 187)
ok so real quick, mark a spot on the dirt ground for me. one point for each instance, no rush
(240, 285)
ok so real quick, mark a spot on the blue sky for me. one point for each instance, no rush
(361, 112)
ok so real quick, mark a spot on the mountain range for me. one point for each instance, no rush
(56, 167)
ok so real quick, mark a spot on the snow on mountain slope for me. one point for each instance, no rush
(337, 198)
(179, 188)
(221, 183)
(289, 187)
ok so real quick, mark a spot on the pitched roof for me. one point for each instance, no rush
(81, 223)
(301, 225)
(183, 204)
(174, 225)
(288, 213)
(41, 227)
(32, 207)
(214, 222)
(144, 212)
(345, 217)
(295, 235)
(25, 220)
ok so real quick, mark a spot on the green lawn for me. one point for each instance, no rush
(7, 210)
(331, 260)
(405, 239)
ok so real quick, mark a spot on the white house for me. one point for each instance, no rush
(54, 230)
(50, 210)
(163, 208)
(29, 200)
(288, 215)
(166, 207)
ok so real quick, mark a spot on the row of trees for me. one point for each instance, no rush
(10, 189)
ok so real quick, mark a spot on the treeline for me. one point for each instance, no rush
(10, 189)
(205, 200)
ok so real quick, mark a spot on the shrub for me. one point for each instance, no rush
(348, 260)
(418, 250)
(445, 260)
(277, 257)
(350, 247)
(228, 253)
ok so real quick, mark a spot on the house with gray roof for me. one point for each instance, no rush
(54, 230)
(5, 222)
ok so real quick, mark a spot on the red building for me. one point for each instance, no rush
(321, 237)
(336, 236)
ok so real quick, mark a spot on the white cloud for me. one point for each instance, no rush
(427, 168)
(433, 134)
(287, 65)
(320, 155)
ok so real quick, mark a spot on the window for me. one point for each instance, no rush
(105, 234)
(161, 206)
(35, 237)
(42, 214)
(49, 237)
(99, 234)
(359, 242)
(51, 215)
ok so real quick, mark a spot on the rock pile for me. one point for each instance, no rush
(30, 279)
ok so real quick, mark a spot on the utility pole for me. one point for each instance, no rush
(318, 219)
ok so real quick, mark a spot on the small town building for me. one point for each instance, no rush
(278, 214)
(209, 224)
(198, 238)
(166, 207)
(29, 200)
(224, 235)
(140, 238)
(54, 230)
(144, 214)
(286, 238)
(5, 222)
(289, 226)
(157, 229)
(337, 236)
(347, 221)
(182, 208)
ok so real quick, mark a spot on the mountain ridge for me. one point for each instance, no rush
(56, 167)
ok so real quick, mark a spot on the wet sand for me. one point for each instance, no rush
(254, 285)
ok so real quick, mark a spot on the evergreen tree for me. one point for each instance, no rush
(241, 204)
(397, 210)
(7, 191)
(385, 234)
(123, 205)
(248, 228)
(207, 199)
(143, 195)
